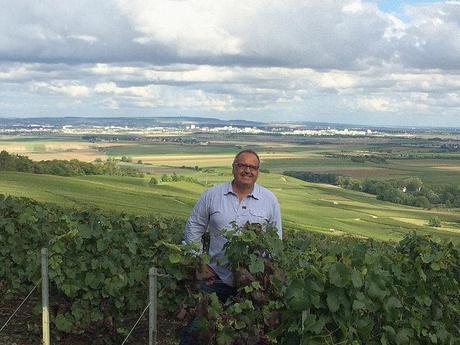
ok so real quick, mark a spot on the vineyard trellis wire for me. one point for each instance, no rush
(44, 280)
(20, 305)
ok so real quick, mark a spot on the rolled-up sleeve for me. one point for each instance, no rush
(198, 221)
(277, 218)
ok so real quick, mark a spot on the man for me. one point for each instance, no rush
(236, 202)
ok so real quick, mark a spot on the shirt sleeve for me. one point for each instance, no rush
(198, 222)
(276, 217)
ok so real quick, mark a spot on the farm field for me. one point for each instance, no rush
(305, 206)
(46, 148)
(278, 154)
(345, 215)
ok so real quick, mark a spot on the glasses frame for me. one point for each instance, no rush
(243, 166)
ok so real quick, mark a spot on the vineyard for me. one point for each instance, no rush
(306, 289)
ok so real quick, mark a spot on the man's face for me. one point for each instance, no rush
(246, 169)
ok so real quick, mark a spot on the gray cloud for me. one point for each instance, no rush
(264, 58)
(70, 32)
(329, 34)
(432, 37)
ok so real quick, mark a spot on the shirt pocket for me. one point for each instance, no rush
(258, 216)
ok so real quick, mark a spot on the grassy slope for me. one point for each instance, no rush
(117, 193)
(304, 205)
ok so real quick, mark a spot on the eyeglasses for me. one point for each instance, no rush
(244, 166)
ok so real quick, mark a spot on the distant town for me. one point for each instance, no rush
(159, 126)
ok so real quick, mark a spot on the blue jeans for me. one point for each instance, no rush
(223, 291)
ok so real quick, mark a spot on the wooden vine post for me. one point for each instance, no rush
(45, 300)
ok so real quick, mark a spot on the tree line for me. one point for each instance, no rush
(173, 178)
(359, 158)
(408, 191)
(73, 167)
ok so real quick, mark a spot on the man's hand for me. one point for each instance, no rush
(205, 273)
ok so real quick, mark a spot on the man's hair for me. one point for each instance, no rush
(246, 151)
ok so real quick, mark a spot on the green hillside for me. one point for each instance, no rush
(305, 206)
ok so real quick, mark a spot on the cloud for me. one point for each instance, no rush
(266, 58)
(238, 89)
(432, 36)
(192, 28)
(72, 90)
(65, 31)
(412, 103)
(109, 103)
(375, 104)
(85, 38)
(329, 34)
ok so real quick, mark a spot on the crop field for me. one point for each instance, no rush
(298, 157)
(278, 154)
(305, 206)
(169, 149)
(48, 148)
(345, 215)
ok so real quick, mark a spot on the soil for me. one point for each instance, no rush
(25, 327)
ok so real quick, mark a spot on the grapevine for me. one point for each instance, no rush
(305, 289)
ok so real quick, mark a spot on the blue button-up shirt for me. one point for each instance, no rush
(217, 208)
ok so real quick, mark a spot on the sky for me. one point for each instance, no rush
(375, 62)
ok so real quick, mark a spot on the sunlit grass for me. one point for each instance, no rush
(305, 206)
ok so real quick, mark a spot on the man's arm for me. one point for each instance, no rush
(197, 222)
(276, 213)
(195, 228)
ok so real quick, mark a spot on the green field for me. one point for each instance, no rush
(305, 206)
(280, 156)
(278, 153)
(169, 149)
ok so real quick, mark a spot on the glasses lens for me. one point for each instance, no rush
(245, 166)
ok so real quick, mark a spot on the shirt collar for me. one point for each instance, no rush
(255, 191)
